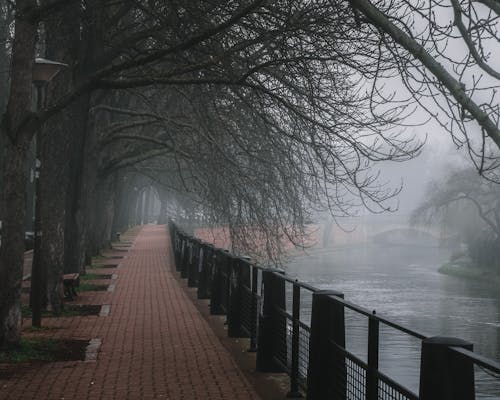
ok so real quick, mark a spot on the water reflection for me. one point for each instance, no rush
(402, 282)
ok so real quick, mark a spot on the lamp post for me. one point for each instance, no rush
(43, 72)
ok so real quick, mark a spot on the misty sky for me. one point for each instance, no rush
(438, 154)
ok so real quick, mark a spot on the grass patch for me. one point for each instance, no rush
(110, 258)
(41, 328)
(83, 309)
(91, 287)
(69, 310)
(44, 350)
(120, 248)
(91, 277)
(99, 266)
(30, 350)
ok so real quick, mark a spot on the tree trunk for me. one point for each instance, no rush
(16, 136)
(93, 31)
(139, 209)
(108, 212)
(5, 22)
(327, 233)
(90, 198)
(147, 205)
(64, 129)
(12, 245)
(75, 221)
(54, 177)
(497, 253)
(121, 201)
(130, 207)
(104, 212)
(163, 197)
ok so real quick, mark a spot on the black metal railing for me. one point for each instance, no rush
(301, 330)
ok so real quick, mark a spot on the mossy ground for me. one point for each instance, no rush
(44, 349)
(92, 276)
(99, 266)
(91, 287)
(70, 310)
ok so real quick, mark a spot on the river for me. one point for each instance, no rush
(403, 283)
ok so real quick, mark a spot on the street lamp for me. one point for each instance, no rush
(42, 73)
(45, 70)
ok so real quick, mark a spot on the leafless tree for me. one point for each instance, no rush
(443, 51)
(302, 80)
(468, 206)
(254, 163)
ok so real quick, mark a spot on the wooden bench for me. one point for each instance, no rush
(71, 281)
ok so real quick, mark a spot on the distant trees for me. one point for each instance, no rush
(468, 204)
(250, 161)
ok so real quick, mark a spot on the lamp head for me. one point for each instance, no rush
(45, 70)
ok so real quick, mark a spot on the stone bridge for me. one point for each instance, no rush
(381, 229)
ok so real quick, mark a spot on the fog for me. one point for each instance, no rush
(384, 263)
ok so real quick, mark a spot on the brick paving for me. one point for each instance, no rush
(155, 344)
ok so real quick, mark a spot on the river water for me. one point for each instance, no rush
(403, 283)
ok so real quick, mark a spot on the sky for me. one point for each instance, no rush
(438, 154)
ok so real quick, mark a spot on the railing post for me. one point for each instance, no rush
(182, 251)
(193, 265)
(444, 374)
(174, 241)
(245, 287)
(177, 248)
(272, 328)
(294, 373)
(216, 283)
(327, 373)
(205, 272)
(254, 312)
(226, 281)
(373, 350)
(234, 299)
(239, 277)
(186, 260)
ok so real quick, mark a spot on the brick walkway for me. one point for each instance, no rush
(155, 344)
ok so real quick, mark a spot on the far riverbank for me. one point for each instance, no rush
(468, 271)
